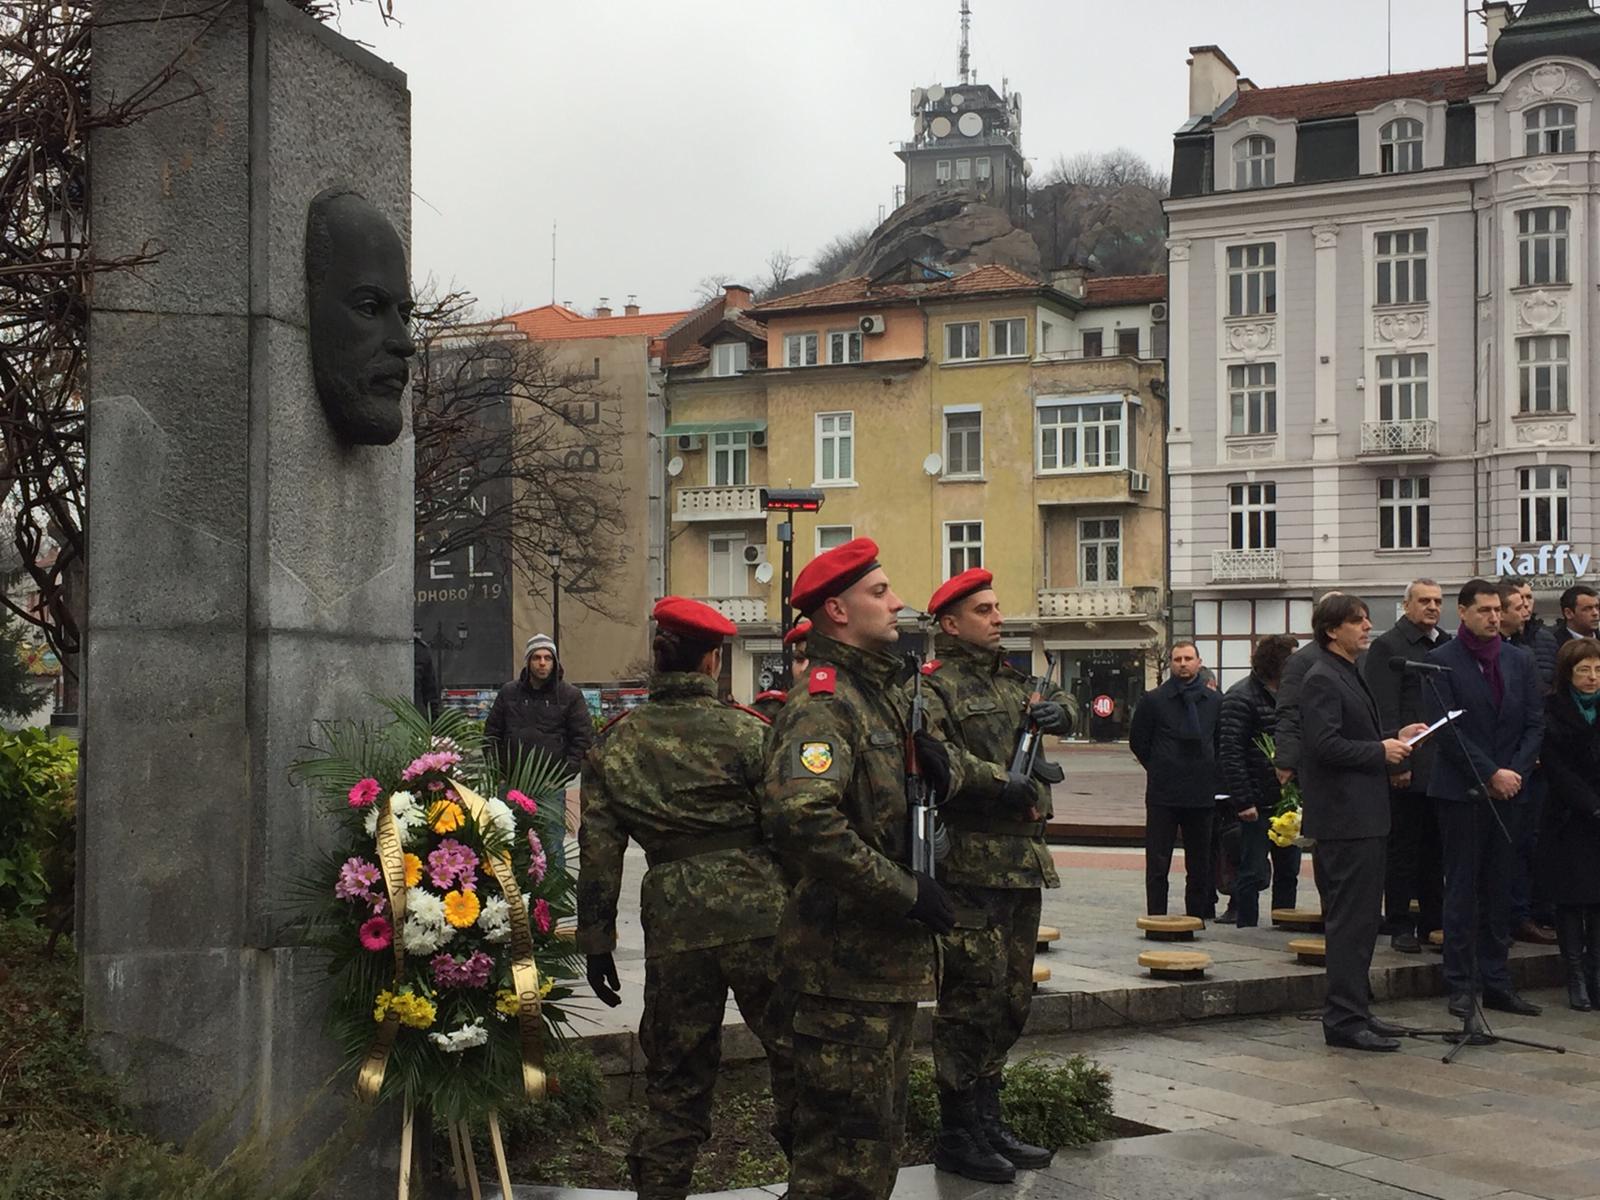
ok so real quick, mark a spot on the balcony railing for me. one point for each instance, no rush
(741, 610)
(1241, 566)
(1399, 437)
(717, 504)
(1095, 604)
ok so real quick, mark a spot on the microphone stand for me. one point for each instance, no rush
(1475, 1030)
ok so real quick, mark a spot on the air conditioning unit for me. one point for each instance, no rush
(871, 324)
(755, 555)
(758, 438)
(1138, 481)
(1158, 313)
(688, 441)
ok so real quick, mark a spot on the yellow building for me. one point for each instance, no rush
(986, 419)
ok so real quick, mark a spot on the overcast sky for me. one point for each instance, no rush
(675, 139)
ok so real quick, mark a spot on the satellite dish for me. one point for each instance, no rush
(764, 573)
(957, 99)
(936, 92)
(918, 98)
(675, 466)
(970, 124)
(940, 126)
(932, 465)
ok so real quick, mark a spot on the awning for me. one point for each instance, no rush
(686, 428)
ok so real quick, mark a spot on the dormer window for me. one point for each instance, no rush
(1551, 129)
(729, 358)
(1400, 146)
(1253, 162)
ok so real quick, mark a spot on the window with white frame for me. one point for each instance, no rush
(836, 447)
(1252, 399)
(800, 350)
(1403, 513)
(831, 537)
(1100, 551)
(961, 340)
(941, 170)
(1254, 160)
(1400, 146)
(730, 459)
(1008, 338)
(727, 573)
(729, 358)
(963, 546)
(1542, 497)
(1081, 437)
(1253, 516)
(963, 169)
(1541, 246)
(844, 346)
(1402, 259)
(1402, 387)
(963, 444)
(1542, 367)
(1550, 129)
(983, 170)
(1253, 279)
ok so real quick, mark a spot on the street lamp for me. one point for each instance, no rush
(789, 501)
(553, 553)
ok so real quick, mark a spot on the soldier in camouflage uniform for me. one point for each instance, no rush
(681, 775)
(996, 864)
(768, 703)
(857, 947)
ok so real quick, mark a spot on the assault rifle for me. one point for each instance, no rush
(921, 803)
(1027, 758)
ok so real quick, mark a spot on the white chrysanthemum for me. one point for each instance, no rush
(502, 818)
(419, 937)
(424, 907)
(471, 1034)
(495, 920)
(408, 816)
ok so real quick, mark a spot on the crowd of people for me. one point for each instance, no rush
(1450, 786)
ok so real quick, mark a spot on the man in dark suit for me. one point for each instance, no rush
(1580, 614)
(1344, 766)
(1497, 686)
(1414, 871)
(1174, 737)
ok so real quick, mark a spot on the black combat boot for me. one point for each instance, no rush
(961, 1147)
(1569, 937)
(1030, 1158)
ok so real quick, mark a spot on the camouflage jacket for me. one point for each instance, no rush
(770, 703)
(835, 810)
(677, 775)
(977, 701)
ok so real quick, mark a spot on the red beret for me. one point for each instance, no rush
(960, 587)
(832, 573)
(798, 633)
(692, 619)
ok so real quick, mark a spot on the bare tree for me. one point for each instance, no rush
(710, 287)
(1106, 169)
(1102, 209)
(780, 269)
(837, 254)
(516, 451)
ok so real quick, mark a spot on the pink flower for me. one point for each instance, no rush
(451, 862)
(364, 793)
(376, 934)
(356, 878)
(433, 761)
(526, 803)
(541, 915)
(470, 972)
(538, 866)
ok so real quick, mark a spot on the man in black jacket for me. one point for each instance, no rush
(1344, 765)
(539, 711)
(1580, 614)
(1174, 736)
(1415, 869)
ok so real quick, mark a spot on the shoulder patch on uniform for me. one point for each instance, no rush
(816, 757)
(823, 681)
(932, 665)
(742, 708)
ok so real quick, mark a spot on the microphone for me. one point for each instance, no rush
(1401, 665)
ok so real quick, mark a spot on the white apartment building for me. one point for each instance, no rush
(1382, 299)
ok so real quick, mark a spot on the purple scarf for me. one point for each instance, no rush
(1486, 653)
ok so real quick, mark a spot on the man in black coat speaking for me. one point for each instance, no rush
(1344, 766)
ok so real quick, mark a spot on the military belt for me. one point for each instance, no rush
(679, 848)
(972, 822)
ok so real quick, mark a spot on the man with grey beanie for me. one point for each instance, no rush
(539, 712)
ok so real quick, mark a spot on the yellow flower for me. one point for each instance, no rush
(461, 908)
(505, 1001)
(446, 817)
(409, 1009)
(413, 870)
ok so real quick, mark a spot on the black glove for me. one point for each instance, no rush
(1018, 793)
(933, 760)
(602, 973)
(1047, 772)
(1049, 716)
(933, 907)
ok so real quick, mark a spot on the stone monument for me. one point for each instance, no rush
(250, 550)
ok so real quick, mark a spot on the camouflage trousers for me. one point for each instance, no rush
(852, 1059)
(987, 986)
(681, 1036)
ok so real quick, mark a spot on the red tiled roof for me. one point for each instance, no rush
(1124, 289)
(1343, 97)
(552, 322)
(697, 354)
(860, 290)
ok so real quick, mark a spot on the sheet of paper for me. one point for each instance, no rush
(1435, 727)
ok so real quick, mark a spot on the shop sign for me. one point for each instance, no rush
(1538, 562)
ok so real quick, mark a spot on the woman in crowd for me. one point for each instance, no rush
(1569, 834)
(1248, 713)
